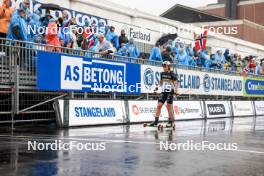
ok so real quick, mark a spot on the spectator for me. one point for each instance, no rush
(5, 17)
(207, 60)
(65, 34)
(92, 49)
(112, 37)
(251, 65)
(74, 39)
(189, 53)
(52, 37)
(103, 46)
(123, 38)
(182, 57)
(25, 6)
(46, 19)
(133, 51)
(35, 25)
(219, 59)
(166, 55)
(18, 27)
(239, 64)
(123, 51)
(262, 68)
(155, 54)
(258, 69)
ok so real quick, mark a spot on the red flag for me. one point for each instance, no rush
(200, 41)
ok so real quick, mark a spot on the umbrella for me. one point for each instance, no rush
(166, 38)
(50, 7)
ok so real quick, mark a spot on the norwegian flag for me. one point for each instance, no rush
(89, 37)
(200, 41)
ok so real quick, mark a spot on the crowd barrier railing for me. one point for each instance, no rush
(19, 59)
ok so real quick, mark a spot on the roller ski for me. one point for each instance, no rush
(168, 126)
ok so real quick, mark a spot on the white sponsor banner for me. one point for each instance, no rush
(185, 110)
(137, 33)
(96, 112)
(216, 109)
(144, 111)
(259, 107)
(194, 82)
(242, 108)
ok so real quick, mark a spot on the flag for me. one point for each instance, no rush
(200, 41)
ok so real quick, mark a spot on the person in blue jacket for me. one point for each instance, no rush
(155, 54)
(123, 51)
(133, 51)
(219, 59)
(18, 27)
(111, 36)
(25, 6)
(35, 24)
(182, 57)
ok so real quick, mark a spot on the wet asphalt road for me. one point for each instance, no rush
(134, 150)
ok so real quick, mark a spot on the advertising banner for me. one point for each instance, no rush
(185, 110)
(253, 87)
(216, 109)
(243, 108)
(259, 107)
(75, 73)
(144, 111)
(194, 82)
(137, 33)
(96, 112)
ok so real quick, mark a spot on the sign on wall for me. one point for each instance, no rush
(242, 108)
(144, 111)
(253, 87)
(216, 109)
(96, 112)
(137, 33)
(194, 82)
(259, 107)
(75, 73)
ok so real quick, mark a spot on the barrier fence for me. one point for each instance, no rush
(105, 112)
(19, 68)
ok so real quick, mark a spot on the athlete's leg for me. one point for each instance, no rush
(170, 110)
(161, 101)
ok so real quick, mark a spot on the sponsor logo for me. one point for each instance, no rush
(92, 75)
(216, 109)
(242, 109)
(178, 110)
(137, 33)
(94, 112)
(206, 83)
(135, 109)
(149, 78)
(254, 87)
(221, 84)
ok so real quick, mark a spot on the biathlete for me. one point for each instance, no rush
(169, 84)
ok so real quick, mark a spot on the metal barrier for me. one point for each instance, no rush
(18, 69)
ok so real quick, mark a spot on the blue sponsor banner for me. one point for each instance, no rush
(254, 87)
(58, 72)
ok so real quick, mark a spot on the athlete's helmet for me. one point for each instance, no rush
(166, 63)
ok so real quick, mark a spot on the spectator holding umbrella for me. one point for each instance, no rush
(5, 17)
